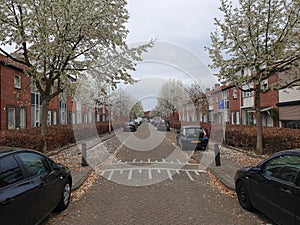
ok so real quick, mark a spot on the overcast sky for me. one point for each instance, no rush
(182, 30)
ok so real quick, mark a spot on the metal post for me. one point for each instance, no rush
(109, 110)
(83, 156)
(217, 155)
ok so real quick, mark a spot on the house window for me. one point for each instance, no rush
(85, 118)
(63, 112)
(54, 118)
(22, 118)
(225, 96)
(11, 118)
(264, 86)
(17, 81)
(49, 118)
(79, 117)
(248, 93)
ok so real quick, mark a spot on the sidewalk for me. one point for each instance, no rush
(79, 173)
(231, 160)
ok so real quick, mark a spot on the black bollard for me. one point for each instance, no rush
(83, 155)
(217, 155)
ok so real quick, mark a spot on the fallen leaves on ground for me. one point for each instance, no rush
(215, 182)
(77, 194)
(72, 158)
(242, 158)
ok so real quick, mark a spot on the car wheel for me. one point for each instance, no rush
(65, 197)
(243, 196)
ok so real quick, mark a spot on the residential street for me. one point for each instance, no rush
(148, 180)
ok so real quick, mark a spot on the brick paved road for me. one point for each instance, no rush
(171, 193)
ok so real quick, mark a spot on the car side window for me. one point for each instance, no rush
(10, 171)
(285, 167)
(35, 164)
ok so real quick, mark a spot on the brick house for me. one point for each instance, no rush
(237, 106)
(15, 95)
(289, 107)
(21, 103)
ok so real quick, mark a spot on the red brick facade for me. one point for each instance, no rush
(239, 109)
(15, 96)
(21, 107)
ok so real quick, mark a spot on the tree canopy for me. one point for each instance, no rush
(260, 36)
(66, 39)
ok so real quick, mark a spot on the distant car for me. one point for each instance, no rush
(163, 125)
(130, 126)
(155, 121)
(272, 187)
(192, 138)
(31, 186)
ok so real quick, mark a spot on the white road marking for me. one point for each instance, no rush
(150, 174)
(130, 174)
(110, 175)
(189, 175)
(164, 165)
(169, 174)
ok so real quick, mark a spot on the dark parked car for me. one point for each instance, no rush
(163, 125)
(130, 126)
(272, 187)
(191, 138)
(31, 187)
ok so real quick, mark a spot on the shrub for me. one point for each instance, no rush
(244, 137)
(57, 137)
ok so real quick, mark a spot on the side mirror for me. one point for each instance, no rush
(255, 169)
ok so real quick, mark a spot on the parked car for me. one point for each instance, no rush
(130, 126)
(155, 121)
(192, 138)
(163, 125)
(272, 187)
(31, 186)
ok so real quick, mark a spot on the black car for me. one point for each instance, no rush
(192, 138)
(31, 187)
(272, 187)
(130, 126)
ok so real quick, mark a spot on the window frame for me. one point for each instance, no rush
(47, 167)
(284, 163)
(23, 177)
(17, 81)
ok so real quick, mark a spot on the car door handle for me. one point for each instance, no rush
(286, 190)
(7, 201)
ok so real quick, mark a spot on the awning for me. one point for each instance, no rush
(262, 110)
(289, 112)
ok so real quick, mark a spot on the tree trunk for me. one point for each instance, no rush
(259, 133)
(44, 124)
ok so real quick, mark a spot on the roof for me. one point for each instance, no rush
(9, 62)
(4, 150)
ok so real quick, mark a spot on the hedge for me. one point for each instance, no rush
(244, 137)
(239, 136)
(57, 137)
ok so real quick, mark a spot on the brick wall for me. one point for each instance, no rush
(12, 97)
(270, 98)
